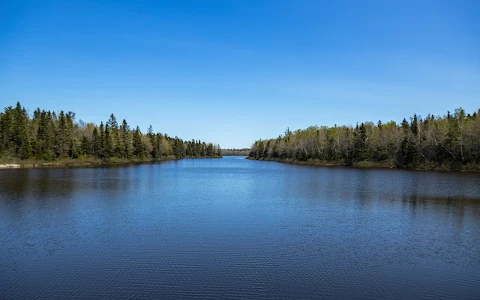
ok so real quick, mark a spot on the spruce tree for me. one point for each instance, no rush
(6, 130)
(360, 137)
(151, 139)
(108, 142)
(62, 145)
(85, 146)
(137, 144)
(407, 155)
(103, 142)
(26, 149)
(96, 143)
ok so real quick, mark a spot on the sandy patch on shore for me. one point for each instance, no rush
(9, 166)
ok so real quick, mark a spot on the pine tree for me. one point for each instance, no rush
(108, 142)
(85, 146)
(151, 138)
(127, 142)
(360, 137)
(103, 142)
(117, 145)
(137, 144)
(414, 125)
(20, 119)
(26, 150)
(407, 155)
(69, 118)
(96, 143)
(62, 144)
(6, 130)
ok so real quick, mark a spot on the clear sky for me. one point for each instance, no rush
(232, 72)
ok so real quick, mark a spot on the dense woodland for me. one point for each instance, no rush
(449, 142)
(236, 152)
(49, 136)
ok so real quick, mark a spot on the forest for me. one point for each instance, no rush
(236, 152)
(450, 142)
(49, 136)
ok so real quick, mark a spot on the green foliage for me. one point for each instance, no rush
(451, 141)
(46, 136)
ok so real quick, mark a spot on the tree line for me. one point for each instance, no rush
(49, 136)
(236, 152)
(451, 141)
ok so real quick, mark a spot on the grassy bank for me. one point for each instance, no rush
(84, 162)
(371, 164)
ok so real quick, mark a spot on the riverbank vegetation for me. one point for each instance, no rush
(47, 137)
(450, 142)
(236, 152)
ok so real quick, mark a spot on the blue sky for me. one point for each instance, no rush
(232, 72)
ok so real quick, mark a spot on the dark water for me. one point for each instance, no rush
(232, 228)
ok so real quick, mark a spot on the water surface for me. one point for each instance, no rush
(238, 229)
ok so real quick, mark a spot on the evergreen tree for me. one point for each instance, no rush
(96, 143)
(62, 136)
(414, 125)
(103, 142)
(26, 150)
(117, 145)
(48, 136)
(85, 146)
(152, 140)
(127, 142)
(108, 150)
(137, 144)
(20, 119)
(360, 135)
(6, 130)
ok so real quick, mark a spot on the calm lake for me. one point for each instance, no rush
(237, 229)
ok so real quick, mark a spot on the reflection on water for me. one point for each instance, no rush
(233, 228)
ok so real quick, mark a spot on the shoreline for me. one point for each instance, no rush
(369, 165)
(87, 163)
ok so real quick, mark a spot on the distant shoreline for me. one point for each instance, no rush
(370, 165)
(78, 163)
